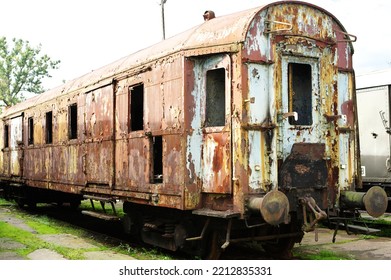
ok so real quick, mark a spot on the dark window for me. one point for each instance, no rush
(72, 121)
(30, 131)
(215, 97)
(157, 159)
(300, 93)
(136, 108)
(6, 136)
(49, 127)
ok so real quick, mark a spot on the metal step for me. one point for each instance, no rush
(217, 214)
(358, 229)
(98, 198)
(102, 216)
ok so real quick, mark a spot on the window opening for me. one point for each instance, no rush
(157, 159)
(215, 98)
(136, 114)
(6, 136)
(49, 127)
(72, 121)
(300, 93)
(30, 131)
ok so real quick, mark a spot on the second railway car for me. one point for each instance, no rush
(373, 102)
(241, 128)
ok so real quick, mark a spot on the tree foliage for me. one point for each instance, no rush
(22, 69)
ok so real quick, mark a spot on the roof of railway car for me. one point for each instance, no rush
(220, 31)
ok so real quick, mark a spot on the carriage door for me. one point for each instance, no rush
(215, 85)
(16, 141)
(300, 117)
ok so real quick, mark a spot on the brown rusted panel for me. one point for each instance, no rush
(34, 164)
(122, 112)
(75, 165)
(6, 163)
(99, 135)
(154, 102)
(69, 187)
(347, 109)
(217, 202)
(173, 165)
(99, 163)
(122, 180)
(163, 92)
(99, 114)
(216, 163)
(59, 170)
(174, 110)
(344, 48)
(139, 163)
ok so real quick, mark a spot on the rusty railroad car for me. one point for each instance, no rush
(242, 128)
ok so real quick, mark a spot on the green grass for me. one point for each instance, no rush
(86, 205)
(323, 255)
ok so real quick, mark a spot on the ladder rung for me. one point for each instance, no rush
(98, 198)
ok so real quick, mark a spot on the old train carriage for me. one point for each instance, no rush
(241, 128)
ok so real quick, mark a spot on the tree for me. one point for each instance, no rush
(22, 69)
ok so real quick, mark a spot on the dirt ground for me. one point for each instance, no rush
(351, 246)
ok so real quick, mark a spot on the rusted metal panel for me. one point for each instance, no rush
(34, 164)
(305, 172)
(99, 163)
(99, 114)
(16, 142)
(258, 122)
(216, 177)
(139, 162)
(98, 121)
(154, 108)
(59, 170)
(122, 111)
(6, 166)
(75, 174)
(211, 163)
(173, 162)
(174, 113)
(122, 180)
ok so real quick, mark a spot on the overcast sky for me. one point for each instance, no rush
(87, 34)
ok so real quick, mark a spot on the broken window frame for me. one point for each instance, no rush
(72, 121)
(136, 107)
(157, 159)
(30, 131)
(6, 136)
(49, 127)
(215, 86)
(300, 97)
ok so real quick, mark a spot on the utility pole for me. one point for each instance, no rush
(163, 25)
